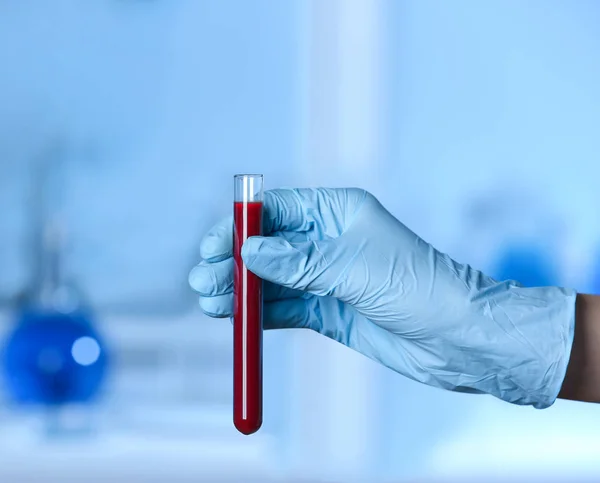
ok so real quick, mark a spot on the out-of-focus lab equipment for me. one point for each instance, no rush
(54, 356)
(515, 239)
(527, 264)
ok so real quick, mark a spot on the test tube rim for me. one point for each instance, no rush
(244, 183)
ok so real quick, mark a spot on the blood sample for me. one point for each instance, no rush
(247, 307)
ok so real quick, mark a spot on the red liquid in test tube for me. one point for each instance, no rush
(247, 308)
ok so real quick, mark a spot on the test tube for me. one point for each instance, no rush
(247, 307)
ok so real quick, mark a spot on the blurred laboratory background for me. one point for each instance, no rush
(121, 125)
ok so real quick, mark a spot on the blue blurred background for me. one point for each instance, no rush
(121, 125)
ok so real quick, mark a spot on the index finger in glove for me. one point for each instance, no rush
(325, 210)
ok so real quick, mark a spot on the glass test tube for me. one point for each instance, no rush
(247, 307)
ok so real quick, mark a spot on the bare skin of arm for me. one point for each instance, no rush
(582, 381)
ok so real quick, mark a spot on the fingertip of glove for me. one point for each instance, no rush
(217, 307)
(251, 247)
(195, 278)
(217, 244)
(213, 249)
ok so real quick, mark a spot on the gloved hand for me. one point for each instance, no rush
(336, 261)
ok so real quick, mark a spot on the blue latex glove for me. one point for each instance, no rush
(336, 261)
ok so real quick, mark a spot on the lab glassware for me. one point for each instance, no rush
(248, 303)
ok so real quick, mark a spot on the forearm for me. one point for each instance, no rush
(582, 381)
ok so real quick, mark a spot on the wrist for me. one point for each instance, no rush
(582, 379)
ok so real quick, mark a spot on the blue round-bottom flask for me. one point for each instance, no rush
(53, 358)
